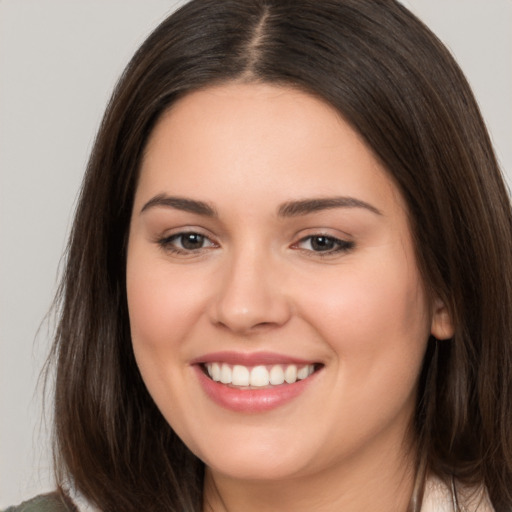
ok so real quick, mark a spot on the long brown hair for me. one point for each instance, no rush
(397, 85)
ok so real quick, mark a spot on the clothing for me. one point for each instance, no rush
(44, 503)
(438, 498)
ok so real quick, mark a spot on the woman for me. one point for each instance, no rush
(287, 284)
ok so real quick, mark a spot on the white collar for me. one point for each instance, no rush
(439, 497)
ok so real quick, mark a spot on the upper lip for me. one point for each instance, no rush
(250, 358)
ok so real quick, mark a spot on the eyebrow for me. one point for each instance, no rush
(306, 206)
(181, 203)
(288, 209)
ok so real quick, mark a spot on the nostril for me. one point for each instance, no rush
(245, 326)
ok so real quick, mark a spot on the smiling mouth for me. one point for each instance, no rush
(258, 377)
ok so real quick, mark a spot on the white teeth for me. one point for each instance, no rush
(215, 369)
(240, 376)
(276, 375)
(258, 376)
(302, 373)
(290, 374)
(225, 374)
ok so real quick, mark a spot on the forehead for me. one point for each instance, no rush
(260, 139)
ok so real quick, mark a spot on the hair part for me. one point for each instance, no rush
(254, 48)
(397, 85)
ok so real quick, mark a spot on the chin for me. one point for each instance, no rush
(259, 456)
(261, 469)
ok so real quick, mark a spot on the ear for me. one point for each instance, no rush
(442, 326)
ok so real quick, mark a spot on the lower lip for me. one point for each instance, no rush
(251, 400)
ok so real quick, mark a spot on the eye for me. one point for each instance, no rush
(187, 242)
(324, 244)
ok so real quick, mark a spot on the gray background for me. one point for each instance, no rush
(59, 60)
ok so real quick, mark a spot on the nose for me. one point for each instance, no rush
(251, 295)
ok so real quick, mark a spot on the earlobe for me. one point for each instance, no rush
(442, 326)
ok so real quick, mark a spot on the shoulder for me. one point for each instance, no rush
(45, 503)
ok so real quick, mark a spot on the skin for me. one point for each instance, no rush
(257, 283)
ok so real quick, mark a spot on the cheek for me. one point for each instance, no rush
(163, 308)
(150, 322)
(375, 298)
(163, 304)
(150, 308)
(375, 318)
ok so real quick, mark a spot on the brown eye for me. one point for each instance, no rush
(324, 244)
(186, 242)
(191, 241)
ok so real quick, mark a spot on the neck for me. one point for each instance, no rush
(383, 483)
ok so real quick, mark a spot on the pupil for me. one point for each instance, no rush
(192, 241)
(322, 243)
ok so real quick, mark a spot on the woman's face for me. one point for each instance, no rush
(269, 248)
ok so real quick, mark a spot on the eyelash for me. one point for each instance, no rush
(169, 243)
(337, 245)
